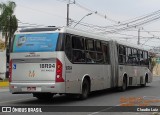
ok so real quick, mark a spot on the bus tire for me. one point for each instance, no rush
(85, 89)
(145, 82)
(124, 85)
(43, 96)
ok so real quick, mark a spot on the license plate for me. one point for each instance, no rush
(31, 88)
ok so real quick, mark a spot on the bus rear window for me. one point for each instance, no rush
(42, 42)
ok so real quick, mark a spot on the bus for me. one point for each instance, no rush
(51, 60)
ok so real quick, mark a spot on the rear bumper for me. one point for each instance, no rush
(20, 88)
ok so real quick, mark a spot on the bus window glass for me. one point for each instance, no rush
(77, 42)
(122, 54)
(100, 58)
(78, 56)
(129, 53)
(135, 56)
(91, 57)
(122, 50)
(90, 45)
(146, 60)
(141, 58)
(126, 55)
(42, 42)
(68, 47)
(106, 52)
(98, 46)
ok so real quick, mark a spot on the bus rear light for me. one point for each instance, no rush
(10, 71)
(59, 69)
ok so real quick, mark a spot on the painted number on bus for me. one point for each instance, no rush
(68, 67)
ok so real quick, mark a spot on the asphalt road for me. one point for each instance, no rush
(99, 98)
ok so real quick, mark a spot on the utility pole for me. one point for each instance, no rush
(138, 42)
(68, 12)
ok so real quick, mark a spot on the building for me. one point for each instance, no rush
(2, 58)
(2, 43)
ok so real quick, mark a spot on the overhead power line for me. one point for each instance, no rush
(96, 12)
(138, 21)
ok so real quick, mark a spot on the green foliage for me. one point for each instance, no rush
(153, 63)
(152, 60)
(8, 21)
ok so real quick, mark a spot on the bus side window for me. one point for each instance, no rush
(78, 56)
(105, 48)
(78, 49)
(129, 55)
(98, 46)
(90, 51)
(135, 57)
(100, 57)
(141, 57)
(91, 57)
(90, 44)
(68, 47)
(146, 60)
(77, 42)
(122, 54)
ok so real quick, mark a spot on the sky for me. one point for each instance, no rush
(53, 13)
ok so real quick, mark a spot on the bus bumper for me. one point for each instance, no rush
(20, 88)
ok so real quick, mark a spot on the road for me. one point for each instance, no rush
(99, 98)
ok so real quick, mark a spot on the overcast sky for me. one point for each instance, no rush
(53, 13)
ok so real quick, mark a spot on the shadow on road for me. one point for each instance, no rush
(58, 100)
(114, 91)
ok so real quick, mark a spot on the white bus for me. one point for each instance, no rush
(49, 61)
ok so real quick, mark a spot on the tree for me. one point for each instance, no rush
(8, 21)
(152, 60)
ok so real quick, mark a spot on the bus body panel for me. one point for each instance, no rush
(38, 74)
(76, 72)
(34, 70)
(134, 74)
(107, 76)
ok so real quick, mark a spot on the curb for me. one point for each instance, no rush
(4, 84)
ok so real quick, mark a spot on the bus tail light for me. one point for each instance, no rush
(10, 71)
(59, 68)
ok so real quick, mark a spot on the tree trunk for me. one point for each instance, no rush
(6, 39)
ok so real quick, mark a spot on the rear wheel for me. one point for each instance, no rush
(43, 96)
(124, 85)
(85, 89)
(145, 82)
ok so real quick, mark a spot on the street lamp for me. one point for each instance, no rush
(83, 18)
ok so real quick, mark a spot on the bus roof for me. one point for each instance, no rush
(129, 44)
(85, 33)
(39, 29)
(76, 32)
(63, 30)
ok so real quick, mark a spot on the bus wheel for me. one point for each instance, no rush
(145, 82)
(43, 96)
(85, 89)
(124, 85)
